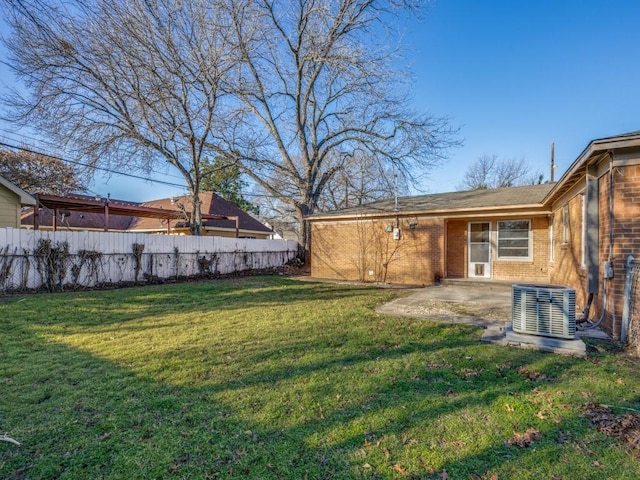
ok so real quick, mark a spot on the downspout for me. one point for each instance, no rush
(611, 238)
(608, 269)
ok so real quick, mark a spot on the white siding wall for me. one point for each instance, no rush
(9, 208)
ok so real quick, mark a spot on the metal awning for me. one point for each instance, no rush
(107, 207)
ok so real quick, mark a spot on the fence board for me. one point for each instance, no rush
(100, 258)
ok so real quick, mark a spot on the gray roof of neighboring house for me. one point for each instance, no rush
(451, 201)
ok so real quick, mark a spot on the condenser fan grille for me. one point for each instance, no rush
(547, 310)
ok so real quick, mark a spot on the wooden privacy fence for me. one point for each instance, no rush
(41, 260)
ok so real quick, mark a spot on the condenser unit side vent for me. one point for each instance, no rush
(547, 310)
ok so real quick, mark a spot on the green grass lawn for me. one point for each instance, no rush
(266, 377)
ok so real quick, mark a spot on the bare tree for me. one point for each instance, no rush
(122, 82)
(362, 179)
(318, 80)
(38, 173)
(285, 90)
(489, 171)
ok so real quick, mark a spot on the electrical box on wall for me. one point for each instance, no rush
(608, 269)
(396, 233)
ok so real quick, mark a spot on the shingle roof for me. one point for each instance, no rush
(452, 201)
(212, 204)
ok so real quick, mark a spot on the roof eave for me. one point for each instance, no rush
(594, 148)
(490, 211)
(25, 198)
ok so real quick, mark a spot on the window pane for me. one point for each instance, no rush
(513, 252)
(479, 227)
(479, 252)
(480, 236)
(515, 234)
(521, 243)
(479, 232)
(513, 238)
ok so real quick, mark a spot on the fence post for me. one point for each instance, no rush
(626, 308)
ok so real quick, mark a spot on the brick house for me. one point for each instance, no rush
(560, 233)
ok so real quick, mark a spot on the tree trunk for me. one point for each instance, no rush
(304, 235)
(195, 224)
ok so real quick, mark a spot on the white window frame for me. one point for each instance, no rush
(565, 224)
(583, 233)
(552, 238)
(529, 240)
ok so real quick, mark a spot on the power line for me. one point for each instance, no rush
(115, 172)
(9, 135)
(95, 167)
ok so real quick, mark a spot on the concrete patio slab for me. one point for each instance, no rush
(486, 305)
(481, 305)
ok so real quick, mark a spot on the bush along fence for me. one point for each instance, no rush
(40, 260)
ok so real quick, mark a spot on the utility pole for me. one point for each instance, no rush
(553, 161)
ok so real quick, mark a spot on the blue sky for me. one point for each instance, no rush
(514, 76)
(518, 75)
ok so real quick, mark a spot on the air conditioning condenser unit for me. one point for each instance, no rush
(547, 310)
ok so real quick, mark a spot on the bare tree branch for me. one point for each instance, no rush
(287, 90)
(125, 82)
(319, 80)
(489, 171)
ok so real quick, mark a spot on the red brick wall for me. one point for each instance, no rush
(626, 232)
(567, 269)
(603, 250)
(534, 269)
(351, 250)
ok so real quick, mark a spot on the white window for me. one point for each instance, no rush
(565, 224)
(552, 237)
(584, 229)
(514, 239)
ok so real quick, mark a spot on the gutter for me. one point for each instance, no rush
(502, 210)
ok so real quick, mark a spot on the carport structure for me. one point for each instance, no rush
(107, 207)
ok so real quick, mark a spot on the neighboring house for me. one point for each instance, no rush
(561, 233)
(167, 215)
(212, 204)
(12, 199)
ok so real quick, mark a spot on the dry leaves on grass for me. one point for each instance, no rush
(401, 471)
(624, 428)
(524, 440)
(486, 476)
(470, 372)
(532, 375)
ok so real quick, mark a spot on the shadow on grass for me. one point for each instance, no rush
(297, 404)
(125, 305)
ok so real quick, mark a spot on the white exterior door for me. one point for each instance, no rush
(479, 250)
